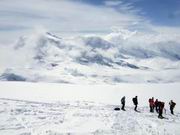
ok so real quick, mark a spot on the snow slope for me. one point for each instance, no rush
(56, 109)
(115, 58)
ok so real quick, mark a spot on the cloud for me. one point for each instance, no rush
(112, 3)
(64, 15)
(71, 16)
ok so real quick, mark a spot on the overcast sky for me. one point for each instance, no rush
(18, 17)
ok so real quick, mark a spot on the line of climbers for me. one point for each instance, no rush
(157, 105)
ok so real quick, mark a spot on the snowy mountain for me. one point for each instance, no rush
(118, 57)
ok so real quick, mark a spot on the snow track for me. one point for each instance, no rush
(19, 117)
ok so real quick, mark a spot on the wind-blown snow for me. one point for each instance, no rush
(118, 57)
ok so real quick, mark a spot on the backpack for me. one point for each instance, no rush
(173, 104)
(134, 100)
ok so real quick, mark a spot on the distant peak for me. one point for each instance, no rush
(52, 35)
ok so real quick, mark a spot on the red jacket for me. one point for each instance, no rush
(151, 102)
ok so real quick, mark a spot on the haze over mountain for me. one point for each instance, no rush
(121, 56)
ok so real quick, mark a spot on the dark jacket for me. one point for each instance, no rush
(161, 106)
(156, 103)
(172, 104)
(135, 101)
(123, 100)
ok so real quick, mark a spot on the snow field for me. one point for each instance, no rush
(56, 109)
(19, 117)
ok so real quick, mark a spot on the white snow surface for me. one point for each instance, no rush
(64, 109)
(118, 57)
